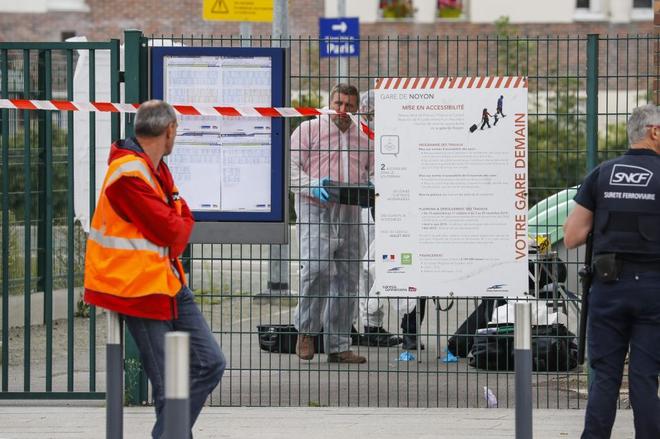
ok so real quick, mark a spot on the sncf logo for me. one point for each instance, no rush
(626, 175)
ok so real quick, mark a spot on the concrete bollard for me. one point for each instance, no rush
(523, 368)
(114, 399)
(177, 385)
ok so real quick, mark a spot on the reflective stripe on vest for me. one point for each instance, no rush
(132, 166)
(126, 243)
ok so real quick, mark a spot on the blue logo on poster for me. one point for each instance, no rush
(339, 37)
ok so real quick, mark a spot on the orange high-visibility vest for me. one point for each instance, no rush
(120, 261)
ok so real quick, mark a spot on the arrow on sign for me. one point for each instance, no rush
(341, 27)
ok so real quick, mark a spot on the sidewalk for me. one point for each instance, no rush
(72, 422)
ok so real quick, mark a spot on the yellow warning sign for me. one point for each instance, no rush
(238, 10)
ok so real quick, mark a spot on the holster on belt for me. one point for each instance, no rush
(606, 267)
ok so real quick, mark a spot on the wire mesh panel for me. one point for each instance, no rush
(255, 322)
(581, 90)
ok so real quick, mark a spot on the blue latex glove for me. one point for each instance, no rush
(406, 356)
(449, 357)
(319, 192)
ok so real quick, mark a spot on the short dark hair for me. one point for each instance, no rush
(153, 118)
(344, 89)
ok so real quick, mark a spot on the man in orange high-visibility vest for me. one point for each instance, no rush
(140, 227)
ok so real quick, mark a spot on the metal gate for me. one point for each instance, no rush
(50, 343)
(581, 90)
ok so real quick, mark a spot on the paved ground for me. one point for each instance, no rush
(304, 423)
(259, 378)
(225, 291)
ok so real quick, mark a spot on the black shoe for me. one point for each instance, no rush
(377, 336)
(410, 343)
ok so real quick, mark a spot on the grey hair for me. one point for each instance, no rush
(367, 105)
(153, 118)
(367, 102)
(344, 89)
(639, 119)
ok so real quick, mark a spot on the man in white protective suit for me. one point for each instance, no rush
(329, 149)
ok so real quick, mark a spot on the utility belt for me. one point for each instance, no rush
(606, 267)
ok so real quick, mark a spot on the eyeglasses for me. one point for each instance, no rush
(652, 126)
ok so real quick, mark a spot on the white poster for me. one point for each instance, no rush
(451, 179)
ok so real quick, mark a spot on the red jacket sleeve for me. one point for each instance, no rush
(177, 247)
(136, 202)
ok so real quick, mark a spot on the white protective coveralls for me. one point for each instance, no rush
(331, 242)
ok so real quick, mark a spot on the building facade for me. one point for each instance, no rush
(55, 20)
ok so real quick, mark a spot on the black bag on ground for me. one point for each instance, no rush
(553, 349)
(461, 342)
(492, 348)
(473, 128)
(283, 339)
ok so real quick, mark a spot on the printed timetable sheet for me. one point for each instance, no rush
(221, 164)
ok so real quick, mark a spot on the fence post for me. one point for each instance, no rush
(245, 31)
(177, 387)
(592, 101)
(278, 269)
(135, 72)
(592, 114)
(281, 22)
(4, 121)
(45, 223)
(523, 367)
(114, 416)
(135, 90)
(41, 181)
(115, 62)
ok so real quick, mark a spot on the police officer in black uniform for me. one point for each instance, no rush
(620, 202)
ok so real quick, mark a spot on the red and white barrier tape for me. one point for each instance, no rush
(212, 110)
(184, 110)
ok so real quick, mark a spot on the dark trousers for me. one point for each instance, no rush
(207, 363)
(624, 315)
(409, 321)
(484, 121)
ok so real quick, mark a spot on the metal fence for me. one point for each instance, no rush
(581, 90)
(42, 245)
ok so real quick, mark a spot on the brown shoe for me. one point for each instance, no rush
(348, 357)
(305, 347)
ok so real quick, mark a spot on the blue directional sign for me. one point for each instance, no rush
(339, 37)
